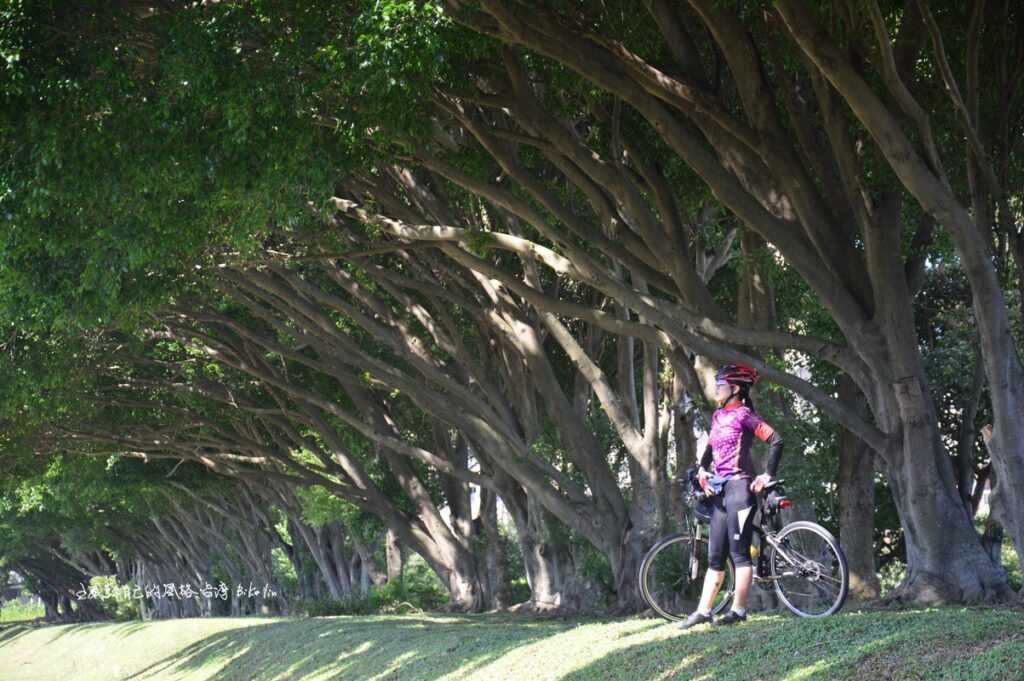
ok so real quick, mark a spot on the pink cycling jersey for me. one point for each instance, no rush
(733, 429)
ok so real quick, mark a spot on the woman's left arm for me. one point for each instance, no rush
(765, 432)
(774, 452)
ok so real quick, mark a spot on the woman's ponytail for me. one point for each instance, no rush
(745, 398)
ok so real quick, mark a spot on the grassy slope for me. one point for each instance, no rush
(942, 643)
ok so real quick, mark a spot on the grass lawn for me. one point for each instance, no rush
(13, 611)
(941, 643)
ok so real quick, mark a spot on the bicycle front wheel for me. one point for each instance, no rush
(809, 570)
(672, 577)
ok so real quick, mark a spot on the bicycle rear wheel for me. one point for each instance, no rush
(672, 577)
(809, 570)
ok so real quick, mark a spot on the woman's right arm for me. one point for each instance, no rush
(706, 458)
(704, 472)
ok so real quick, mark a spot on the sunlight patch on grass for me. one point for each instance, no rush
(395, 666)
(825, 664)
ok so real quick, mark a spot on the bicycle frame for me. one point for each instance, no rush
(779, 548)
(694, 524)
(765, 535)
(768, 535)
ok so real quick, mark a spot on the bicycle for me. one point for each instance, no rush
(802, 561)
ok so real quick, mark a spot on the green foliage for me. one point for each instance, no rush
(595, 567)
(119, 606)
(891, 575)
(320, 507)
(73, 502)
(1011, 563)
(13, 611)
(399, 53)
(518, 590)
(329, 607)
(1008, 553)
(124, 166)
(283, 570)
(419, 588)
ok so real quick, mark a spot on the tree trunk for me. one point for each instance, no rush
(459, 574)
(50, 602)
(1007, 498)
(945, 560)
(550, 571)
(457, 492)
(332, 538)
(495, 559)
(393, 555)
(309, 587)
(372, 572)
(637, 426)
(857, 504)
(454, 563)
(549, 567)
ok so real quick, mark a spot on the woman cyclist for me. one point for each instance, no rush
(727, 471)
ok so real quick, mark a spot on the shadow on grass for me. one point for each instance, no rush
(355, 648)
(860, 645)
(74, 629)
(758, 649)
(62, 630)
(904, 645)
(9, 632)
(129, 628)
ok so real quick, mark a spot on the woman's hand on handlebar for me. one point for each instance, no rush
(702, 480)
(759, 482)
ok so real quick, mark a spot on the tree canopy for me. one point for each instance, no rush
(357, 275)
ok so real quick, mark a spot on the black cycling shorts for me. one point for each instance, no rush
(732, 524)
